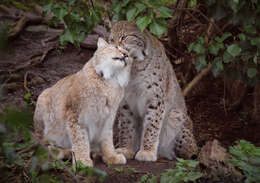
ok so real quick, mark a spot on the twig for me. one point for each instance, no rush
(27, 149)
(5, 9)
(10, 86)
(25, 82)
(92, 4)
(18, 27)
(34, 61)
(206, 70)
(202, 14)
(197, 20)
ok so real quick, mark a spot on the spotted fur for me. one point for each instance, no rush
(152, 115)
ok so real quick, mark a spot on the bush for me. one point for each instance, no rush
(185, 171)
(240, 47)
(246, 157)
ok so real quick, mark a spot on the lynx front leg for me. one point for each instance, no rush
(126, 131)
(79, 142)
(151, 130)
(110, 156)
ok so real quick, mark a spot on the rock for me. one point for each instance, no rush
(214, 158)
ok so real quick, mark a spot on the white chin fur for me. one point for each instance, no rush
(123, 78)
(113, 74)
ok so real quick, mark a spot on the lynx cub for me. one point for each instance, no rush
(78, 112)
(152, 117)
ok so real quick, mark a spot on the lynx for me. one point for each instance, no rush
(152, 118)
(78, 112)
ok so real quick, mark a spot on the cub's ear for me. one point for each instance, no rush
(101, 43)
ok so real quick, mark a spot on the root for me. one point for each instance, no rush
(196, 80)
(25, 83)
(36, 60)
(18, 27)
(11, 86)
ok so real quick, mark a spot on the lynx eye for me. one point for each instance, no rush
(111, 40)
(122, 59)
(101, 74)
(118, 58)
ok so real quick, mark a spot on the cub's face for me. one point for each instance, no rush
(110, 61)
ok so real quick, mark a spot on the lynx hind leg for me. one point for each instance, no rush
(42, 112)
(80, 143)
(171, 127)
(185, 143)
(126, 132)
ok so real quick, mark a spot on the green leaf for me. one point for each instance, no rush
(60, 13)
(27, 96)
(47, 8)
(250, 29)
(158, 28)
(191, 47)
(234, 50)
(255, 41)
(199, 48)
(200, 64)
(251, 72)
(242, 37)
(165, 12)
(125, 3)
(143, 179)
(214, 48)
(20, 6)
(201, 40)
(131, 14)
(140, 7)
(192, 3)
(255, 59)
(95, 16)
(143, 22)
(192, 176)
(227, 57)
(217, 66)
(117, 8)
(119, 169)
(225, 36)
(66, 37)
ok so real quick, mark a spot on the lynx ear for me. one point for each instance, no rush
(101, 43)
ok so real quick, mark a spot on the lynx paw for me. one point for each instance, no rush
(115, 159)
(146, 156)
(128, 153)
(86, 162)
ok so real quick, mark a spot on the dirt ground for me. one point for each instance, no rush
(205, 104)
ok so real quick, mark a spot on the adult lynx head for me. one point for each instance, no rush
(112, 63)
(127, 35)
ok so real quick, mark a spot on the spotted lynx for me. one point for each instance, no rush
(78, 112)
(152, 118)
